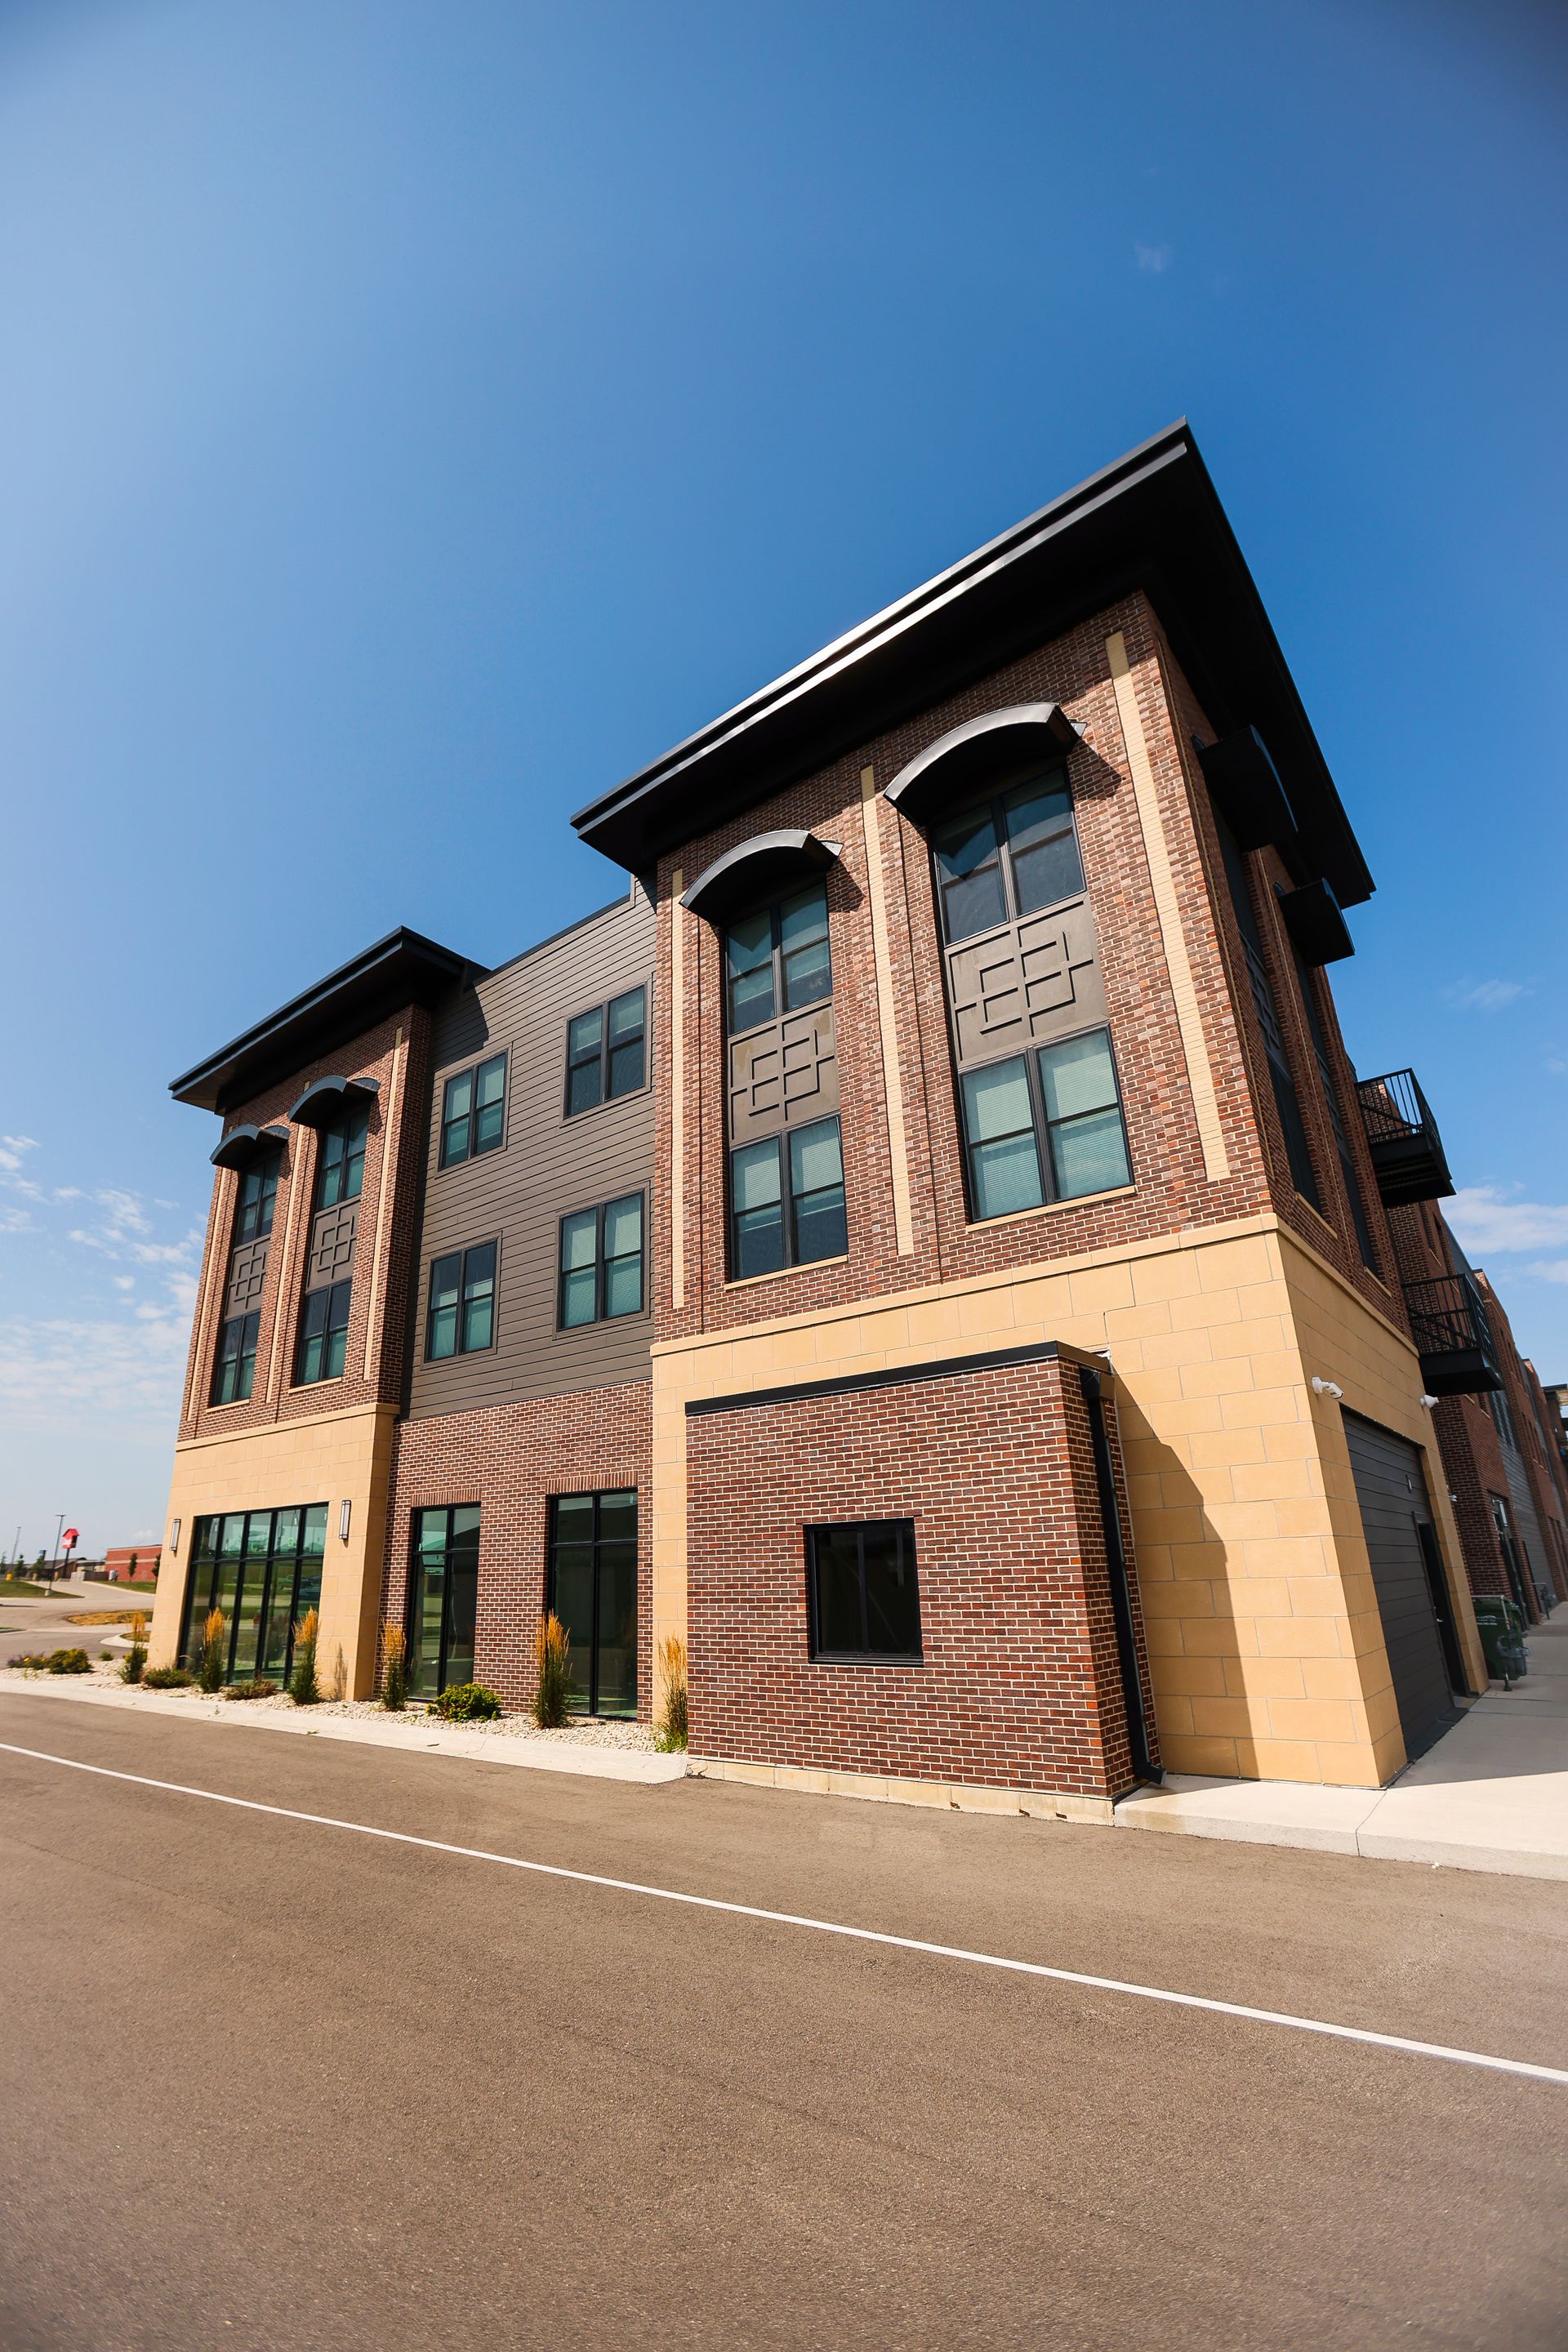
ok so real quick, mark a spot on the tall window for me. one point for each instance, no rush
(473, 1112)
(1286, 1101)
(594, 1591)
(323, 1335)
(1008, 857)
(257, 1198)
(601, 1262)
(862, 1591)
(1044, 1125)
(461, 1317)
(234, 1369)
(787, 1201)
(340, 1166)
(443, 1597)
(263, 1569)
(777, 960)
(606, 1051)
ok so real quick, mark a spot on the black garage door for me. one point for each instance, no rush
(1407, 1572)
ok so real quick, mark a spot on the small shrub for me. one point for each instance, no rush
(340, 1684)
(68, 1662)
(167, 1678)
(214, 1654)
(393, 1668)
(551, 1656)
(33, 1662)
(468, 1703)
(257, 1687)
(671, 1733)
(304, 1687)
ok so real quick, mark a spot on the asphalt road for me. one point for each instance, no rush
(270, 2085)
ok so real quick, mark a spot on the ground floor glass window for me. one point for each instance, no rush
(594, 1591)
(443, 1598)
(263, 1569)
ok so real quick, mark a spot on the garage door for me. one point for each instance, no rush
(1406, 1571)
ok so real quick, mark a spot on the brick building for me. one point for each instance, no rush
(924, 1243)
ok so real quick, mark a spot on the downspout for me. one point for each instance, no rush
(1143, 1764)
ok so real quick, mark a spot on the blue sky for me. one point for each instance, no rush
(412, 418)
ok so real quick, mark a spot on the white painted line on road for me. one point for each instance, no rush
(826, 1926)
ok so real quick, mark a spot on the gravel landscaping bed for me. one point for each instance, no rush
(584, 1731)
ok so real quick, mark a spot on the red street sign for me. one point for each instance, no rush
(71, 1534)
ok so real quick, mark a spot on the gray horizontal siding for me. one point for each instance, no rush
(547, 1166)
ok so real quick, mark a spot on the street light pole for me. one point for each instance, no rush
(55, 1563)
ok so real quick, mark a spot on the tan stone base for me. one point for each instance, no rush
(947, 1796)
(332, 1458)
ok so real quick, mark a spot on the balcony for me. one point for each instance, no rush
(1453, 1338)
(1407, 1153)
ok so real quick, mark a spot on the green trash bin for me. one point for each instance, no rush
(1500, 1624)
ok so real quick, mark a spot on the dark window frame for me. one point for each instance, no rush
(355, 1147)
(1299, 1164)
(789, 1200)
(268, 1164)
(205, 1591)
(416, 1580)
(607, 1048)
(247, 1325)
(773, 908)
(332, 1292)
(904, 1529)
(1308, 982)
(599, 1210)
(465, 1304)
(473, 1148)
(992, 803)
(1043, 1126)
(598, 1496)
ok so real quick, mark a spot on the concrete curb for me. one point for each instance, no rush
(422, 1739)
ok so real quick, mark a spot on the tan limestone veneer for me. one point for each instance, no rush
(332, 1458)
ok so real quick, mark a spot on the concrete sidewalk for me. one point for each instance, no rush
(1493, 1794)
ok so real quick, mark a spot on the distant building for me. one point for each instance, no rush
(133, 1563)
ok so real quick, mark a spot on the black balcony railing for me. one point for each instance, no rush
(1407, 1153)
(1453, 1338)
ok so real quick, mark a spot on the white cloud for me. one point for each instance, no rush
(1485, 1220)
(94, 1380)
(11, 1148)
(123, 1281)
(1154, 257)
(1484, 995)
(14, 1221)
(1550, 1270)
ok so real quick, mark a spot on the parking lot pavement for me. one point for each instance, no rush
(361, 2092)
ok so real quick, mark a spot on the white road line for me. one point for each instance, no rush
(826, 1926)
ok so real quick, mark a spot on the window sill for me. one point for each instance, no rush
(865, 1658)
(601, 1323)
(1306, 1204)
(232, 1405)
(298, 1388)
(1049, 1209)
(780, 1273)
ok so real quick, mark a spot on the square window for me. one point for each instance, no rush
(606, 1051)
(459, 1318)
(601, 1264)
(473, 1112)
(323, 1335)
(787, 1201)
(863, 1594)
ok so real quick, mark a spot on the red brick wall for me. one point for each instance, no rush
(393, 1154)
(1172, 1190)
(510, 1459)
(1020, 1684)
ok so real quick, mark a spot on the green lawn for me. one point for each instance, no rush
(14, 1587)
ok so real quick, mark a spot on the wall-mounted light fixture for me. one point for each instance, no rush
(1326, 1388)
(1427, 1402)
(345, 1510)
(175, 1536)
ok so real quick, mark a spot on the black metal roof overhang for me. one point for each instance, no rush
(1151, 520)
(404, 968)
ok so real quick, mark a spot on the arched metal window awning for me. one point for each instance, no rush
(968, 757)
(241, 1144)
(330, 1098)
(757, 869)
